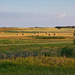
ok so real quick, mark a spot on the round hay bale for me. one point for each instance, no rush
(39, 32)
(46, 32)
(23, 34)
(54, 34)
(49, 34)
(2, 32)
(17, 34)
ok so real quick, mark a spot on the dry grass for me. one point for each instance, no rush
(44, 61)
(12, 33)
(58, 32)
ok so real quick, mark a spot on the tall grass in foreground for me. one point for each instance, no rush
(38, 65)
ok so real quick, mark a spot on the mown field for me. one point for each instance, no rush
(37, 51)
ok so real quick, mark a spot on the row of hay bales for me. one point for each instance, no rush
(46, 33)
(37, 33)
(22, 34)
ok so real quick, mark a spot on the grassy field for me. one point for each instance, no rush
(41, 31)
(38, 65)
(32, 51)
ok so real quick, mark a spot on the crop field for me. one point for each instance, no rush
(37, 51)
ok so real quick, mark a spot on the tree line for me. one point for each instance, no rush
(59, 27)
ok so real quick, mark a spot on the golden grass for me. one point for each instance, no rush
(65, 32)
(44, 61)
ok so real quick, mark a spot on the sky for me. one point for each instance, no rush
(37, 13)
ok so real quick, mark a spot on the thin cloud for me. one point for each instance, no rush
(31, 20)
(62, 15)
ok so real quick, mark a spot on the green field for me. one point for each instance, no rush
(31, 51)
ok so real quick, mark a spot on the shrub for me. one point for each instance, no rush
(74, 41)
(52, 37)
(67, 51)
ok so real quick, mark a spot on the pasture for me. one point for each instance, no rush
(37, 51)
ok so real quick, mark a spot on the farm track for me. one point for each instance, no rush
(35, 43)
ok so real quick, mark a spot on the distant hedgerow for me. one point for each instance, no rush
(53, 37)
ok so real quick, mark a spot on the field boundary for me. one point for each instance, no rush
(36, 43)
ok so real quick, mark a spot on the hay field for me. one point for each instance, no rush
(36, 31)
(29, 35)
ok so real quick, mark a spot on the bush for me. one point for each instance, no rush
(74, 41)
(52, 37)
(67, 51)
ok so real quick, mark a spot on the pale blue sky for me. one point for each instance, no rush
(31, 13)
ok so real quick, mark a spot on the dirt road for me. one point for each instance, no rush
(35, 43)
